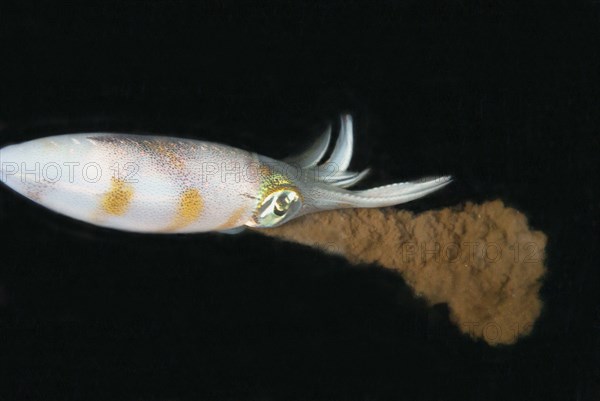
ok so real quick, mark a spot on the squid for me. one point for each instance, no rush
(158, 184)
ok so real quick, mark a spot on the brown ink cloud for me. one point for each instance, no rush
(482, 260)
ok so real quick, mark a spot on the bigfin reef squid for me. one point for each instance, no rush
(158, 184)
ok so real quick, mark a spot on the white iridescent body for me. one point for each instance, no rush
(158, 184)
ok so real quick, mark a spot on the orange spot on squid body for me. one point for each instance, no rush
(189, 210)
(118, 198)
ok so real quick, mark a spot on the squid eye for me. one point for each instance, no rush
(283, 202)
(278, 207)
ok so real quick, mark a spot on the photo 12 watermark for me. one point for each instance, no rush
(455, 252)
(50, 172)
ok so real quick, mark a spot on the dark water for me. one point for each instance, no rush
(505, 98)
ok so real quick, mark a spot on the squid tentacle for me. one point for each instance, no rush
(425, 184)
(336, 177)
(327, 197)
(326, 189)
(339, 160)
(342, 153)
(311, 156)
(346, 181)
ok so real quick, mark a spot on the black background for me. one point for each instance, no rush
(505, 97)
